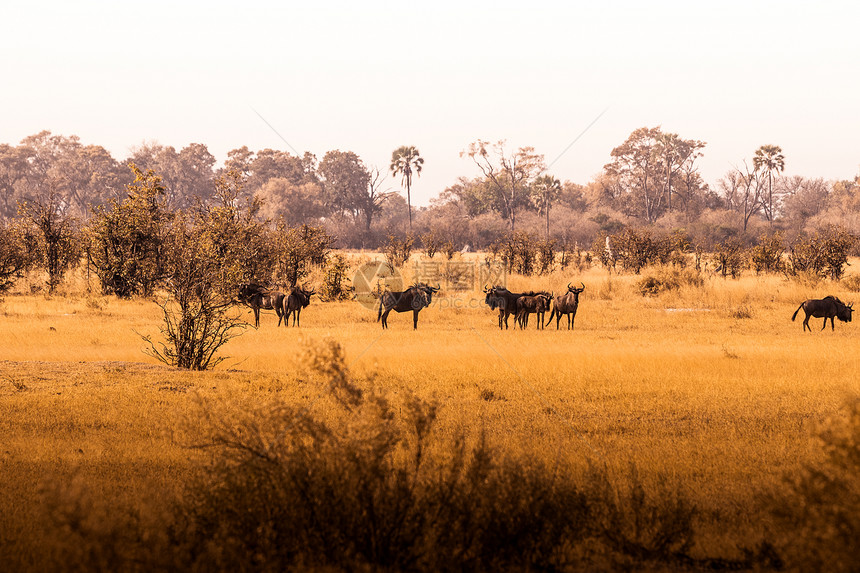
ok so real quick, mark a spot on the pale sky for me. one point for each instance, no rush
(371, 76)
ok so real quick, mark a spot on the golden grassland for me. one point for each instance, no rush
(710, 387)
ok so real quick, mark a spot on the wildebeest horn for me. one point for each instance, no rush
(583, 285)
(568, 286)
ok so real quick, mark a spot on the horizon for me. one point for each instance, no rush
(358, 78)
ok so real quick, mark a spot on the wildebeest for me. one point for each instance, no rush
(529, 303)
(566, 303)
(259, 297)
(827, 307)
(499, 297)
(414, 298)
(293, 304)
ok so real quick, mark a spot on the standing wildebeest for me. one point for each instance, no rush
(529, 303)
(259, 297)
(414, 298)
(827, 307)
(566, 304)
(298, 299)
(501, 298)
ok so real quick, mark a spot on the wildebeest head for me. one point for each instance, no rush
(574, 289)
(422, 295)
(844, 311)
(248, 290)
(494, 298)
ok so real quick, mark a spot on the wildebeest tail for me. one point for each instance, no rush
(793, 316)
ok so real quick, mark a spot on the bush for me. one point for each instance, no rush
(824, 254)
(197, 322)
(820, 508)
(666, 279)
(397, 251)
(766, 256)
(125, 246)
(728, 258)
(852, 283)
(335, 284)
(431, 244)
(297, 250)
(15, 254)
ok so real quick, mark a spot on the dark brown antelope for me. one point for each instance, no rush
(414, 298)
(566, 304)
(259, 297)
(532, 303)
(499, 297)
(293, 304)
(827, 307)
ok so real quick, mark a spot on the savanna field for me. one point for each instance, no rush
(697, 429)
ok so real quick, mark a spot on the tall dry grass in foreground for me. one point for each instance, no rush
(669, 429)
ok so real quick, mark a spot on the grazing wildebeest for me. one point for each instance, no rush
(566, 303)
(827, 307)
(499, 297)
(529, 303)
(259, 297)
(298, 299)
(414, 298)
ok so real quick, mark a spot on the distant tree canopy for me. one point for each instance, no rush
(652, 179)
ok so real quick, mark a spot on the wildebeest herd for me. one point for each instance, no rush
(522, 305)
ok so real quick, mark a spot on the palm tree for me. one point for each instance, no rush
(547, 189)
(769, 158)
(404, 161)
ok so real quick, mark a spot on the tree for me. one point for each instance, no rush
(125, 246)
(743, 192)
(645, 165)
(404, 161)
(16, 254)
(13, 169)
(295, 203)
(509, 174)
(197, 316)
(188, 175)
(57, 245)
(546, 190)
(345, 182)
(769, 159)
(370, 202)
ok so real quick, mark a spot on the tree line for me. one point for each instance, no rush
(651, 180)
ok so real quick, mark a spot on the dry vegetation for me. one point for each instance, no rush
(676, 430)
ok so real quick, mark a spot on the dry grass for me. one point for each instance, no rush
(712, 388)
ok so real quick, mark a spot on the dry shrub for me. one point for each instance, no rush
(362, 479)
(820, 510)
(851, 282)
(668, 278)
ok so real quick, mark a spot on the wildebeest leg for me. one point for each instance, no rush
(297, 317)
(806, 324)
(415, 319)
(385, 318)
(256, 317)
(823, 326)
(832, 327)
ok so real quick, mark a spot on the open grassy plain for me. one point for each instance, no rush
(710, 389)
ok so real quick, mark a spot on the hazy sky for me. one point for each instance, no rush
(371, 76)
